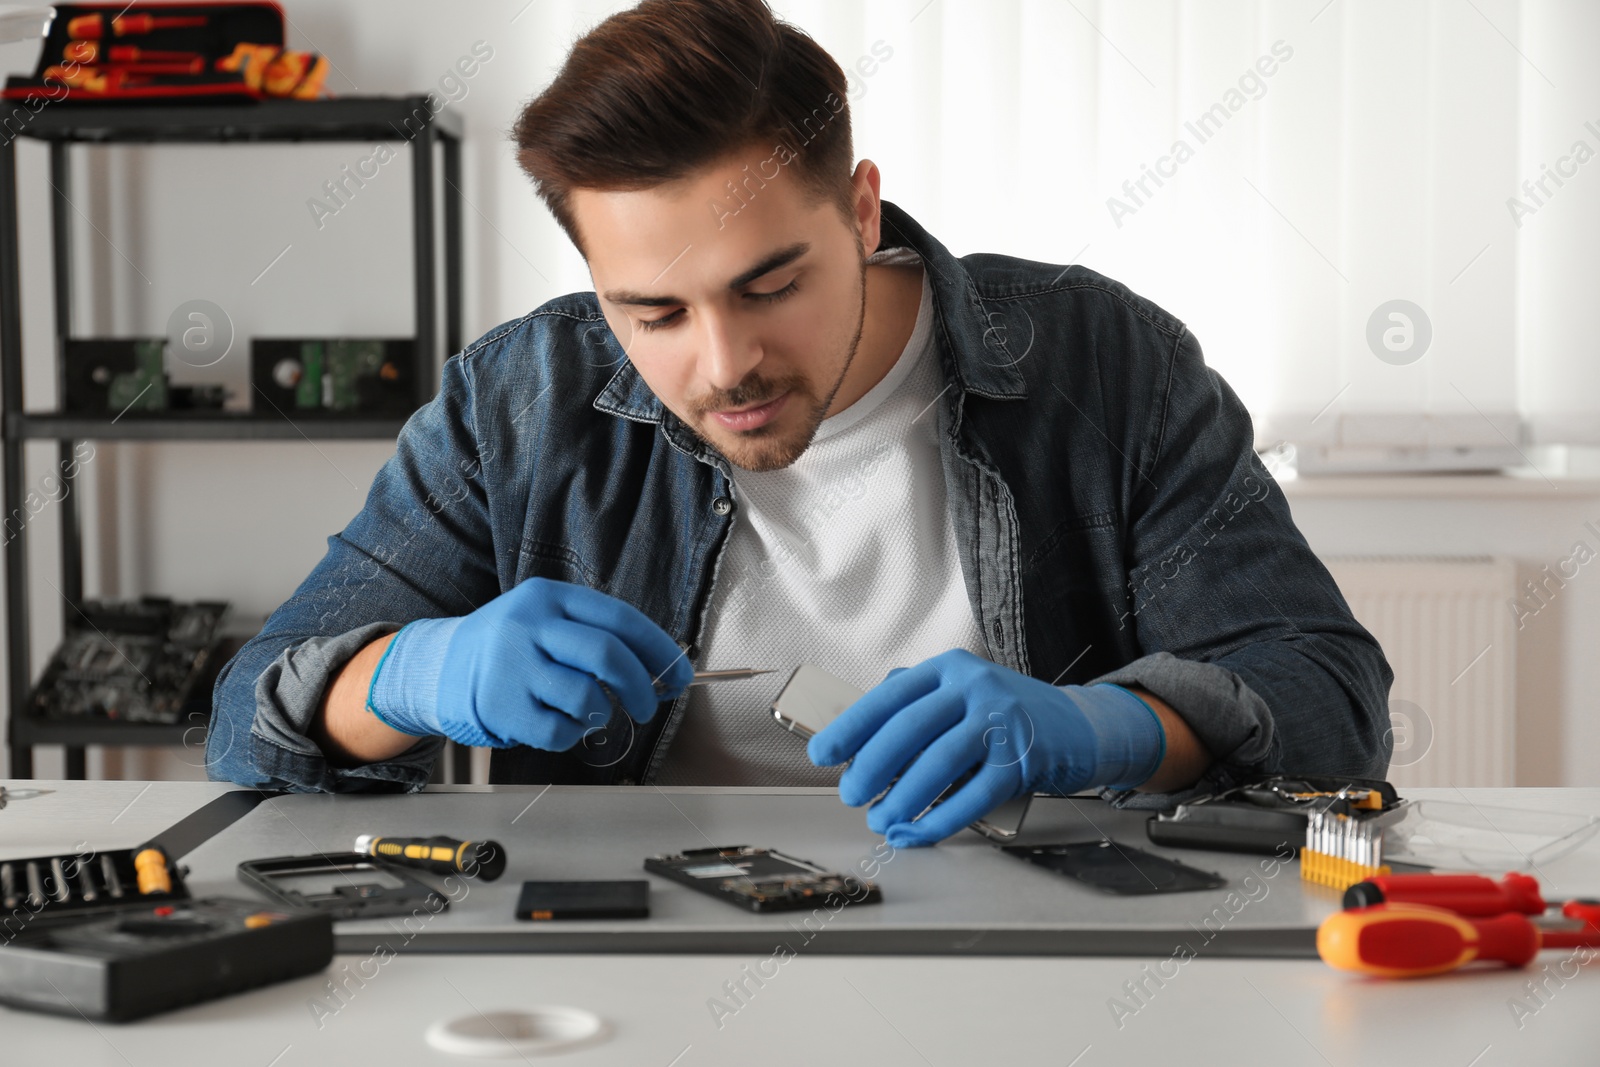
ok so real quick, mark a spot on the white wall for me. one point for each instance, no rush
(246, 521)
(1557, 670)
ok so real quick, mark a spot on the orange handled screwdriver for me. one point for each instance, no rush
(1413, 940)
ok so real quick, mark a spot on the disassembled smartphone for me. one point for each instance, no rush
(812, 698)
(762, 879)
(347, 885)
(1268, 815)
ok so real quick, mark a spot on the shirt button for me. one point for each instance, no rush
(722, 505)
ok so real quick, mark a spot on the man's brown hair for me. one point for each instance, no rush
(664, 88)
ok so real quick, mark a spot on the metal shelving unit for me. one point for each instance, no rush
(407, 118)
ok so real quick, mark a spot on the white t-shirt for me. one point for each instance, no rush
(846, 559)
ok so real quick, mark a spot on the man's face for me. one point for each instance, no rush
(742, 324)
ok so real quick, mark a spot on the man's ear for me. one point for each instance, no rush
(869, 211)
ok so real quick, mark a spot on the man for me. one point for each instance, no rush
(790, 427)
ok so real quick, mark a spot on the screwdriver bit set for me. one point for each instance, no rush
(77, 885)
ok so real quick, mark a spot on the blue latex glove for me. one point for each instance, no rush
(526, 669)
(956, 712)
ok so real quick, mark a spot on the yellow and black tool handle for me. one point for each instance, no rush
(443, 855)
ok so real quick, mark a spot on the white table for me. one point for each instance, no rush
(846, 1009)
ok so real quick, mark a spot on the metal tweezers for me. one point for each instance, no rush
(707, 677)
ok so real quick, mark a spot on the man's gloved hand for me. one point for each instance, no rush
(957, 712)
(526, 668)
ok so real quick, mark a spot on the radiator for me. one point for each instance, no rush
(1446, 626)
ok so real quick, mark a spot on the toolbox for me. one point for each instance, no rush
(145, 51)
(115, 935)
(138, 961)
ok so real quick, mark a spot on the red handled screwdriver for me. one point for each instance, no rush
(1413, 940)
(1464, 894)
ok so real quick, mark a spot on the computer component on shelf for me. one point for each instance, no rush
(127, 376)
(336, 376)
(150, 660)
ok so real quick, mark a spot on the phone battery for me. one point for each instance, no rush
(763, 880)
(550, 901)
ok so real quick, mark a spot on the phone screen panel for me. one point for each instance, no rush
(811, 699)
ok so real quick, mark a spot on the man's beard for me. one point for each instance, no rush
(761, 449)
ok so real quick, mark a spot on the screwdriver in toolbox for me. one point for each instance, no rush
(94, 26)
(1413, 940)
(91, 52)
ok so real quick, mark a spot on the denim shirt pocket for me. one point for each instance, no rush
(540, 559)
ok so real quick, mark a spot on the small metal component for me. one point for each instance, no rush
(8, 885)
(35, 887)
(60, 888)
(707, 677)
(86, 883)
(113, 883)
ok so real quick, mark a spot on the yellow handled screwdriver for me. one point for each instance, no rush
(444, 855)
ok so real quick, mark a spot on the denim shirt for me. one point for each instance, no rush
(1115, 523)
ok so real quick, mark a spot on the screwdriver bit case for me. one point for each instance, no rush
(44, 890)
(139, 961)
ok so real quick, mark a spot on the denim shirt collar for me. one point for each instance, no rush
(974, 336)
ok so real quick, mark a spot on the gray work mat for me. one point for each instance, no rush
(962, 897)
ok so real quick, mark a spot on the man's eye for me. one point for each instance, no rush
(657, 324)
(777, 294)
(773, 297)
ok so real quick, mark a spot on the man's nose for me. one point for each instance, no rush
(728, 353)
